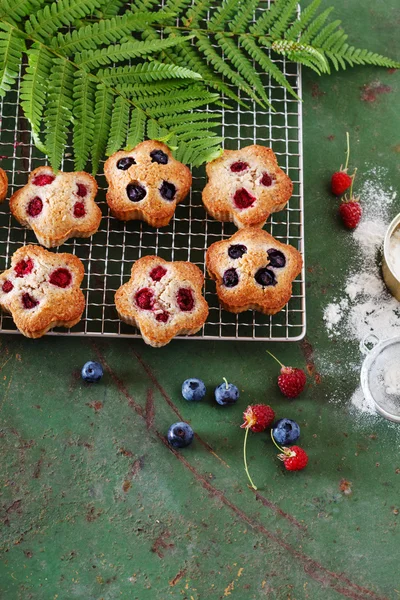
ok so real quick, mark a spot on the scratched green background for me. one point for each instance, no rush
(93, 505)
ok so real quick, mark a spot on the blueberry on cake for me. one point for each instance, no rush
(41, 290)
(57, 206)
(146, 183)
(3, 185)
(253, 271)
(163, 299)
(245, 186)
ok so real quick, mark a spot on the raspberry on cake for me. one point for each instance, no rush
(253, 271)
(41, 290)
(57, 206)
(163, 299)
(146, 183)
(245, 186)
(3, 185)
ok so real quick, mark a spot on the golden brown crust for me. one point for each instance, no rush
(248, 294)
(3, 185)
(153, 209)
(164, 300)
(56, 222)
(223, 184)
(57, 306)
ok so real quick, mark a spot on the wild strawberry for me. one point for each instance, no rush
(258, 417)
(291, 381)
(350, 212)
(294, 458)
(341, 180)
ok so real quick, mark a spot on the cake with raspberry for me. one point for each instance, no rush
(245, 186)
(253, 271)
(3, 185)
(163, 299)
(57, 206)
(41, 290)
(146, 183)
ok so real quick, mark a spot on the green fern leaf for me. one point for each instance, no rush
(102, 121)
(222, 15)
(109, 8)
(297, 51)
(153, 130)
(196, 128)
(287, 15)
(59, 110)
(90, 59)
(268, 17)
(34, 88)
(12, 47)
(300, 25)
(84, 91)
(119, 125)
(176, 6)
(136, 129)
(188, 154)
(46, 21)
(196, 12)
(244, 16)
(16, 10)
(193, 92)
(335, 41)
(177, 120)
(317, 30)
(141, 5)
(175, 109)
(145, 73)
(138, 90)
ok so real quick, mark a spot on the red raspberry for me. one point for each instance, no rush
(266, 180)
(162, 317)
(243, 198)
(144, 299)
(185, 299)
(82, 190)
(24, 267)
(294, 458)
(239, 166)
(157, 273)
(340, 182)
(7, 286)
(291, 381)
(28, 301)
(258, 417)
(44, 179)
(35, 207)
(350, 212)
(79, 210)
(61, 278)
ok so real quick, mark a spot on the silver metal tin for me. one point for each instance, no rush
(389, 276)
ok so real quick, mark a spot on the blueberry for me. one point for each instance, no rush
(158, 156)
(180, 435)
(265, 277)
(124, 163)
(237, 250)
(226, 394)
(92, 372)
(285, 431)
(230, 278)
(167, 190)
(193, 389)
(135, 192)
(276, 258)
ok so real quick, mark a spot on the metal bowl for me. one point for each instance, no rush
(389, 276)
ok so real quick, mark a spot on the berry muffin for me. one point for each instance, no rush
(163, 299)
(3, 185)
(41, 290)
(57, 206)
(146, 183)
(245, 186)
(253, 271)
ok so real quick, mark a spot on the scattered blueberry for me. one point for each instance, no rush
(167, 190)
(285, 431)
(265, 277)
(135, 192)
(230, 278)
(237, 250)
(158, 156)
(276, 258)
(226, 394)
(193, 389)
(124, 163)
(180, 435)
(92, 372)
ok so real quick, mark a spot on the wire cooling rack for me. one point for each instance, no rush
(108, 256)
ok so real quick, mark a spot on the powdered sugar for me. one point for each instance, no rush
(364, 306)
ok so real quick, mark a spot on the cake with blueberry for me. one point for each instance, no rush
(146, 183)
(3, 185)
(163, 299)
(57, 206)
(41, 290)
(245, 186)
(253, 271)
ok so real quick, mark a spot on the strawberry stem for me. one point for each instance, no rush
(347, 151)
(278, 361)
(226, 382)
(279, 448)
(245, 459)
(352, 182)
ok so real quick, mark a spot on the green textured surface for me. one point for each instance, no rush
(95, 506)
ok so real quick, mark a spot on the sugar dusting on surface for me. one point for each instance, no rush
(363, 306)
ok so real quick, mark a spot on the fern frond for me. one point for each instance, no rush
(59, 109)
(153, 130)
(175, 97)
(176, 109)
(84, 91)
(188, 153)
(145, 73)
(222, 15)
(353, 56)
(34, 86)
(138, 90)
(45, 22)
(183, 119)
(102, 121)
(316, 30)
(136, 129)
(287, 15)
(176, 6)
(268, 18)
(300, 25)
(244, 16)
(196, 12)
(12, 46)
(90, 59)
(300, 52)
(109, 8)
(16, 10)
(119, 125)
